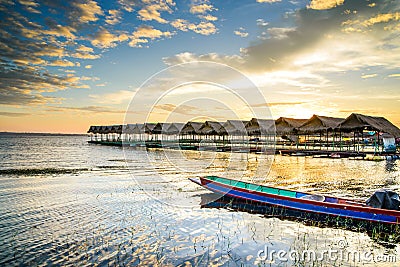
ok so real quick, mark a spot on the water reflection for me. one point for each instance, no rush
(391, 166)
(63, 202)
(388, 235)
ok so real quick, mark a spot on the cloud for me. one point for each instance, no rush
(13, 114)
(167, 107)
(325, 4)
(181, 109)
(88, 66)
(29, 6)
(262, 23)
(86, 78)
(284, 43)
(61, 63)
(151, 14)
(151, 10)
(200, 9)
(150, 32)
(364, 25)
(272, 104)
(84, 49)
(91, 109)
(241, 32)
(71, 33)
(268, 1)
(306, 39)
(62, 31)
(137, 42)
(12, 95)
(82, 55)
(114, 17)
(128, 5)
(30, 47)
(28, 3)
(303, 79)
(208, 17)
(395, 75)
(382, 18)
(84, 52)
(105, 39)
(367, 76)
(291, 78)
(311, 33)
(280, 33)
(144, 33)
(23, 84)
(180, 24)
(204, 28)
(87, 11)
(186, 57)
(118, 97)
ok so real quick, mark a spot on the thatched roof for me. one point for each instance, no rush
(213, 128)
(101, 129)
(173, 128)
(158, 128)
(129, 128)
(96, 129)
(92, 129)
(288, 125)
(136, 128)
(359, 122)
(149, 127)
(108, 129)
(235, 127)
(260, 126)
(317, 124)
(168, 128)
(139, 128)
(192, 127)
(116, 129)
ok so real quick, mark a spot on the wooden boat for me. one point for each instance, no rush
(326, 205)
(380, 232)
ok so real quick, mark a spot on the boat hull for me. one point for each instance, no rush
(377, 231)
(357, 212)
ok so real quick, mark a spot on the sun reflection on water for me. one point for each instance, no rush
(97, 213)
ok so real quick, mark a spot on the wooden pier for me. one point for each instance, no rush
(356, 136)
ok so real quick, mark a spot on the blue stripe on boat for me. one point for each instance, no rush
(302, 206)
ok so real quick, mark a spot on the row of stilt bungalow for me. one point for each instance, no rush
(357, 134)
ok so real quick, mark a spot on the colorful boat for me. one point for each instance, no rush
(380, 232)
(326, 205)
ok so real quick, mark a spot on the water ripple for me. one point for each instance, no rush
(63, 202)
(40, 171)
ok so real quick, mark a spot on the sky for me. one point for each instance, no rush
(66, 65)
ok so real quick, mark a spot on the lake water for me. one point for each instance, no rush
(66, 202)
